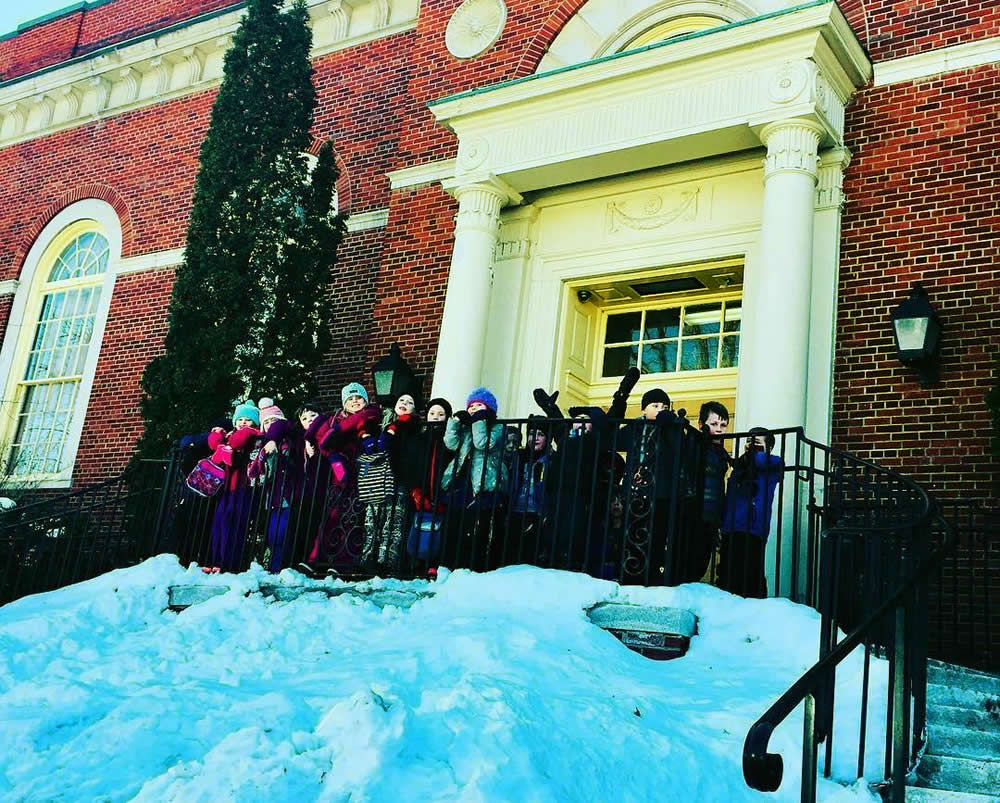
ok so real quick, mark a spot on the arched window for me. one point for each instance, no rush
(672, 28)
(50, 354)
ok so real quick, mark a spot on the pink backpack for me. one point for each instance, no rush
(206, 478)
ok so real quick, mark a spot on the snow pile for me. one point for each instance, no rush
(497, 688)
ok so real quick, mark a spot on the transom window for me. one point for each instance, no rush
(694, 337)
(47, 392)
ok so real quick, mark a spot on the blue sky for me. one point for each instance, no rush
(14, 12)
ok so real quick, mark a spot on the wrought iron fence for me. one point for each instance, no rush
(880, 541)
(81, 534)
(964, 591)
(636, 501)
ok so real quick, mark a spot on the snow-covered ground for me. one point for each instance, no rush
(497, 688)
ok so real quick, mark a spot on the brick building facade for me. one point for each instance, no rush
(107, 104)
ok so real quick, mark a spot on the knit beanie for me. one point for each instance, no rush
(353, 389)
(483, 396)
(441, 403)
(269, 411)
(247, 410)
(655, 395)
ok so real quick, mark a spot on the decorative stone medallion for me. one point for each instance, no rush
(788, 82)
(474, 27)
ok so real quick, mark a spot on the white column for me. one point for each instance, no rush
(774, 365)
(459, 366)
(826, 269)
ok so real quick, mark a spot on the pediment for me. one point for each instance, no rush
(699, 96)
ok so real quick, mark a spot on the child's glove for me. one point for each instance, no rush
(479, 415)
(463, 417)
(369, 444)
(383, 441)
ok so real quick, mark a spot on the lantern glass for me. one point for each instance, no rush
(383, 381)
(911, 334)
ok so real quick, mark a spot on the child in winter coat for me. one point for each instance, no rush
(387, 519)
(420, 463)
(232, 512)
(747, 520)
(476, 480)
(529, 467)
(275, 468)
(338, 439)
(582, 506)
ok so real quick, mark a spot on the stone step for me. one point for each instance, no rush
(939, 694)
(961, 717)
(960, 677)
(963, 742)
(959, 774)
(916, 794)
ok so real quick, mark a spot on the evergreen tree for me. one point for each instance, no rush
(246, 316)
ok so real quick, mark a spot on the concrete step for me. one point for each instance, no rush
(915, 794)
(951, 716)
(963, 742)
(940, 694)
(960, 677)
(959, 774)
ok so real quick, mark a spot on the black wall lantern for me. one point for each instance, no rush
(393, 377)
(916, 330)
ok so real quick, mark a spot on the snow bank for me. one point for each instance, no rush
(497, 688)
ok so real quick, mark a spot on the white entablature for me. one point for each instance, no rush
(683, 100)
(184, 59)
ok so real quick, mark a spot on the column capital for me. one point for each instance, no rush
(830, 184)
(792, 146)
(480, 201)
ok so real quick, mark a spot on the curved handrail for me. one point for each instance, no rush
(763, 770)
(924, 507)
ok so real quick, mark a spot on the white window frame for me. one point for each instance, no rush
(23, 321)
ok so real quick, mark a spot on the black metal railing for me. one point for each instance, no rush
(964, 592)
(78, 535)
(624, 500)
(881, 542)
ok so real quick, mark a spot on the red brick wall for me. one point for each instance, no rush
(133, 335)
(89, 29)
(413, 278)
(922, 206)
(147, 158)
(352, 298)
(891, 29)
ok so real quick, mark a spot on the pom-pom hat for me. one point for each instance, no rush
(483, 396)
(269, 411)
(247, 410)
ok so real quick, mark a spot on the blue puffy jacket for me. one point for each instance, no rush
(750, 495)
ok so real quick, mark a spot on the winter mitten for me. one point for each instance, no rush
(223, 456)
(383, 441)
(628, 382)
(479, 415)
(338, 467)
(547, 403)
(463, 417)
(369, 444)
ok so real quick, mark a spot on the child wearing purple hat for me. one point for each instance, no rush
(475, 479)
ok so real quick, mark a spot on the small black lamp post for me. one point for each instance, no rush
(916, 329)
(392, 376)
